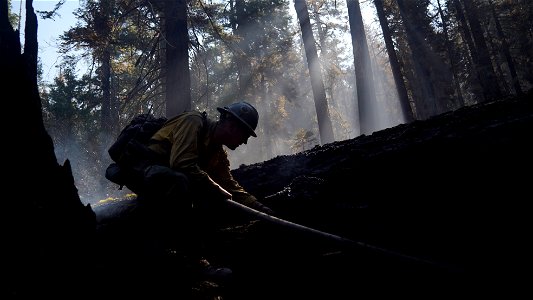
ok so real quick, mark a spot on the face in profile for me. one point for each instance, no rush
(237, 135)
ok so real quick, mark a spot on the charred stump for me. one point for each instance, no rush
(49, 230)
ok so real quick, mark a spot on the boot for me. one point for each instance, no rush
(203, 270)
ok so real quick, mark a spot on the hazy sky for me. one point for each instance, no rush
(49, 30)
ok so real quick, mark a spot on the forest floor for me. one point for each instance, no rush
(431, 208)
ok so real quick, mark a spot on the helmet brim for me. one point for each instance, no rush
(251, 131)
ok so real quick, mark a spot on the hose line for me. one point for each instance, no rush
(344, 241)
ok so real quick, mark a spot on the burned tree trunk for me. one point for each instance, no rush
(50, 230)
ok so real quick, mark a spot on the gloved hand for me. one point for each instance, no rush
(220, 190)
(262, 208)
(224, 193)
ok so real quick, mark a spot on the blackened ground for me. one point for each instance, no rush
(433, 208)
(453, 189)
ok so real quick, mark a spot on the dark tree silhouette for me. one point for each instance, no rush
(176, 44)
(395, 65)
(325, 127)
(366, 94)
(49, 228)
(506, 51)
(481, 55)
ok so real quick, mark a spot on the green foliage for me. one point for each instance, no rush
(303, 140)
(259, 36)
(71, 117)
(14, 18)
(53, 13)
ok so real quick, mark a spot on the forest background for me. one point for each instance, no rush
(409, 60)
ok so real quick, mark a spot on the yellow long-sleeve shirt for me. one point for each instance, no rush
(187, 140)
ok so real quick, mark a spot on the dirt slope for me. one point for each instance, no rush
(435, 207)
(451, 190)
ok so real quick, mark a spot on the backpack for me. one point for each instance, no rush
(130, 152)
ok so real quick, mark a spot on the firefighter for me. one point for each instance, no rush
(188, 187)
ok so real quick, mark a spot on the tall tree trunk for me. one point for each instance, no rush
(105, 78)
(323, 58)
(489, 82)
(395, 64)
(421, 69)
(321, 105)
(498, 64)
(178, 80)
(103, 28)
(449, 51)
(506, 52)
(108, 122)
(266, 150)
(364, 77)
(318, 23)
(472, 57)
(243, 62)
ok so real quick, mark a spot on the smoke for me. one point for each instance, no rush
(88, 169)
(281, 118)
(284, 102)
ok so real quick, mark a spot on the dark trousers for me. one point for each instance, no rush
(181, 216)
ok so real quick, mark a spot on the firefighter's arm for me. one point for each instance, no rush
(240, 195)
(184, 156)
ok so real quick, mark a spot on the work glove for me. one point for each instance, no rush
(224, 193)
(261, 207)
